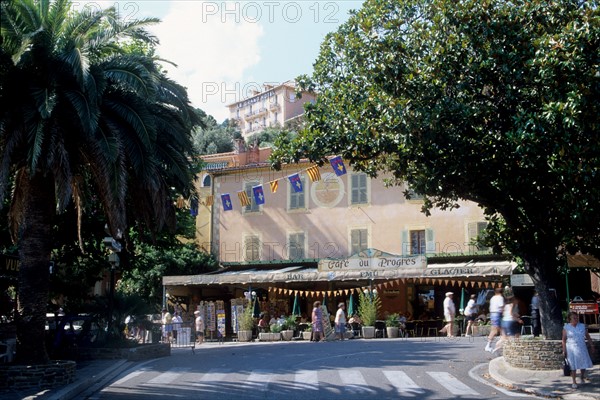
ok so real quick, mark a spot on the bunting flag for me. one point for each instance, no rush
(314, 174)
(274, 186)
(226, 199)
(338, 165)
(193, 207)
(259, 195)
(295, 182)
(244, 199)
(209, 201)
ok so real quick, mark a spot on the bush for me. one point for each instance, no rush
(368, 306)
(393, 320)
(276, 328)
(246, 319)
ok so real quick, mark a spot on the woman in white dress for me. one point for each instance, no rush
(574, 349)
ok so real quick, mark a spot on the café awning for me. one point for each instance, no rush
(466, 270)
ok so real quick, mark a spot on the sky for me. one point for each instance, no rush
(225, 49)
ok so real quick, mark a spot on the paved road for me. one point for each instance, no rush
(359, 369)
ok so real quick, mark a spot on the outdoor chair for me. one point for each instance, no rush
(526, 325)
(380, 329)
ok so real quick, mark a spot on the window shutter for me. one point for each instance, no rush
(405, 243)
(429, 241)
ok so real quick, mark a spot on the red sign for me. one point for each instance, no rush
(584, 308)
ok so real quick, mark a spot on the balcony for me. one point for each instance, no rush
(274, 107)
(254, 114)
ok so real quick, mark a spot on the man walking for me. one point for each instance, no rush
(496, 308)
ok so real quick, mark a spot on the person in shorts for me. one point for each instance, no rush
(470, 314)
(340, 321)
(199, 327)
(496, 309)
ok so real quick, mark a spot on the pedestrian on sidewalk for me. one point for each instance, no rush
(199, 327)
(449, 313)
(317, 322)
(574, 347)
(510, 322)
(535, 314)
(470, 314)
(340, 321)
(496, 308)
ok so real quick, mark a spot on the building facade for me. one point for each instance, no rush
(275, 105)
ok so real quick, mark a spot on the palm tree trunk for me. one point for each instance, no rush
(35, 245)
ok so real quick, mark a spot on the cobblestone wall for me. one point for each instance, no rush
(539, 354)
(53, 374)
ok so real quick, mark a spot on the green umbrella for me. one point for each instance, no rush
(462, 300)
(256, 310)
(351, 305)
(296, 308)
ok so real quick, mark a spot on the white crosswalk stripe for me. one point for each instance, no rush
(307, 380)
(404, 385)
(213, 376)
(167, 377)
(452, 384)
(129, 377)
(259, 380)
(355, 382)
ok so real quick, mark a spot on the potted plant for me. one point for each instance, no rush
(307, 333)
(245, 325)
(276, 331)
(392, 324)
(288, 327)
(368, 306)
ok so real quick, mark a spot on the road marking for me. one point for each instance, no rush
(307, 380)
(452, 384)
(168, 377)
(213, 376)
(260, 379)
(129, 376)
(354, 381)
(479, 379)
(403, 384)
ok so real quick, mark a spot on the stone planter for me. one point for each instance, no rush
(537, 354)
(287, 335)
(368, 332)
(244, 336)
(392, 331)
(269, 336)
(23, 377)
(306, 335)
(481, 330)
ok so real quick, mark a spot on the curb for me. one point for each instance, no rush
(497, 368)
(92, 382)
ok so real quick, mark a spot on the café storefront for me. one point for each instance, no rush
(411, 285)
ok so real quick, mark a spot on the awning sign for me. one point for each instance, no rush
(379, 260)
(521, 280)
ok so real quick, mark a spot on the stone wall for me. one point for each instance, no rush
(51, 375)
(539, 354)
(61, 373)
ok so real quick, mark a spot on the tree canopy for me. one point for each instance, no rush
(490, 101)
(83, 117)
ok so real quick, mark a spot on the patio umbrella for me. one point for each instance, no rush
(351, 305)
(462, 300)
(256, 310)
(296, 308)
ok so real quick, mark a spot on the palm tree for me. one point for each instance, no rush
(78, 110)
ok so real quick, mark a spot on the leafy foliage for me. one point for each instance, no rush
(246, 320)
(368, 307)
(490, 101)
(215, 138)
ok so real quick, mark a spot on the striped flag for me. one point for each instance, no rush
(244, 199)
(313, 173)
(274, 185)
(209, 200)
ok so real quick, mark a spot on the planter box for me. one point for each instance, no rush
(269, 337)
(481, 330)
(306, 335)
(392, 331)
(244, 336)
(287, 335)
(368, 332)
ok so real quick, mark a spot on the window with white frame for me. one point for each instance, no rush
(251, 248)
(253, 207)
(298, 199)
(358, 189)
(296, 246)
(359, 240)
(476, 230)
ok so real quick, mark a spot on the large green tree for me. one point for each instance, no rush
(79, 112)
(485, 100)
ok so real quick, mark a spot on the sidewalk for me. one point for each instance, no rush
(545, 383)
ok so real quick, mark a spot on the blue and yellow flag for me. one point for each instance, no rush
(338, 165)
(296, 182)
(226, 199)
(259, 195)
